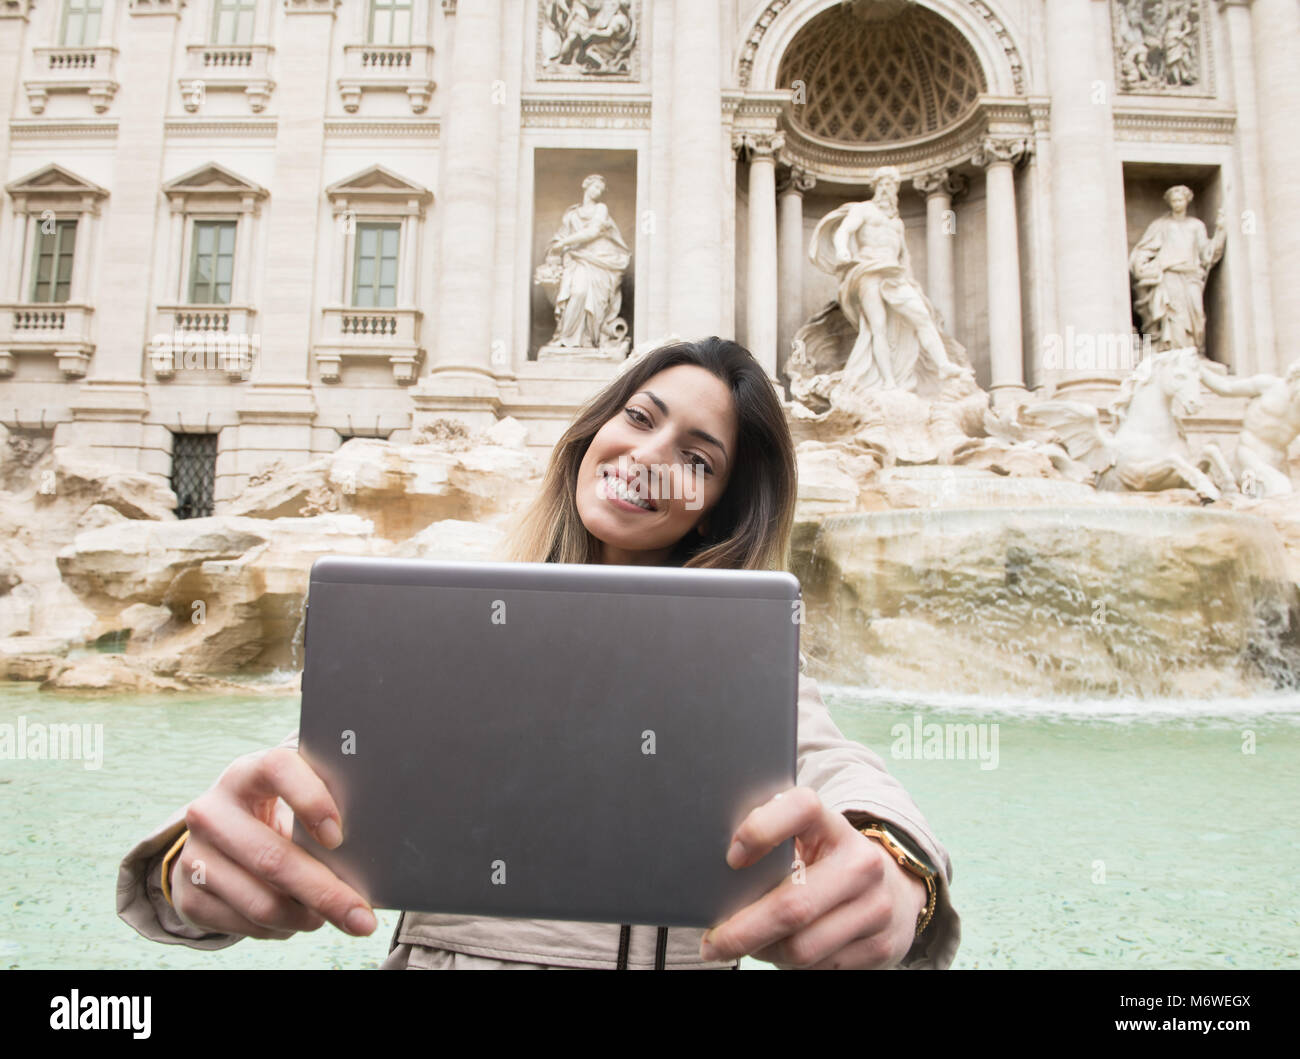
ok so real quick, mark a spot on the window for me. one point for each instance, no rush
(374, 273)
(232, 21)
(81, 22)
(390, 21)
(52, 271)
(194, 470)
(212, 262)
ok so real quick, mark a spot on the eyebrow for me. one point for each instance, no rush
(702, 434)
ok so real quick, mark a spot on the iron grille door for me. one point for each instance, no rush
(194, 471)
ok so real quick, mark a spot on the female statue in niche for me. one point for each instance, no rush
(1170, 265)
(583, 276)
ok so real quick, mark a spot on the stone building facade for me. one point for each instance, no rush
(246, 230)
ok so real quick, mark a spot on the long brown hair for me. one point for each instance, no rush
(747, 529)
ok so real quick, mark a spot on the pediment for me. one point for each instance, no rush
(213, 179)
(53, 179)
(377, 182)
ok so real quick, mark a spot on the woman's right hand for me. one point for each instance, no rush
(252, 878)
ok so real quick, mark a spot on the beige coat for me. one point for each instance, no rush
(848, 777)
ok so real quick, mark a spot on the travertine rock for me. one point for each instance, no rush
(81, 479)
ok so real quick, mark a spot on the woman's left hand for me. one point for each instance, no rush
(847, 903)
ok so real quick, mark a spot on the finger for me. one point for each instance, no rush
(284, 865)
(866, 954)
(840, 928)
(793, 906)
(252, 899)
(798, 811)
(208, 913)
(283, 773)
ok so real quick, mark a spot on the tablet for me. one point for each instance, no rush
(550, 741)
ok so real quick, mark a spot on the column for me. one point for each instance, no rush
(998, 157)
(80, 256)
(281, 393)
(1253, 349)
(171, 293)
(761, 290)
(1086, 179)
(406, 296)
(790, 242)
(110, 406)
(1277, 29)
(461, 379)
(243, 256)
(19, 249)
(695, 307)
(939, 187)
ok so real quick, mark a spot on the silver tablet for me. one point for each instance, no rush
(550, 741)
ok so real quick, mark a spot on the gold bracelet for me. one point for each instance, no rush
(167, 865)
(907, 863)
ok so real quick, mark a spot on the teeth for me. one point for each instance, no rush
(621, 490)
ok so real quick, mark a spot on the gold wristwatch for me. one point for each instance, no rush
(913, 859)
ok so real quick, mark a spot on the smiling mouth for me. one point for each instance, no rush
(611, 486)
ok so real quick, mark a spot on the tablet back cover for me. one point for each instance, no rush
(546, 740)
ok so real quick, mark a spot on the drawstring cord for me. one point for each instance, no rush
(625, 940)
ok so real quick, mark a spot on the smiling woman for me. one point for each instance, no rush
(697, 435)
(870, 885)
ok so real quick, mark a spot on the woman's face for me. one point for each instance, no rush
(671, 444)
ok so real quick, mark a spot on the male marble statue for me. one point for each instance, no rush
(583, 277)
(1271, 422)
(1170, 265)
(862, 243)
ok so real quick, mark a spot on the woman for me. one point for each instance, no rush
(705, 419)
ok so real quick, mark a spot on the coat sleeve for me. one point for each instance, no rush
(853, 780)
(140, 900)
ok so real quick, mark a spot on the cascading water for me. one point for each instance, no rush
(1095, 599)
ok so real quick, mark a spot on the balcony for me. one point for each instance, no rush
(58, 329)
(375, 334)
(203, 337)
(227, 68)
(88, 70)
(387, 67)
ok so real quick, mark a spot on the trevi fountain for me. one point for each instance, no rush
(1044, 549)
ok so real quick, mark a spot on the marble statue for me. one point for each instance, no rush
(1170, 265)
(896, 342)
(1271, 422)
(1148, 451)
(588, 37)
(583, 277)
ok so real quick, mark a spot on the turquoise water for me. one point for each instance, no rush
(1109, 834)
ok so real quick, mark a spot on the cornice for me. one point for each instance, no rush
(383, 128)
(62, 128)
(1174, 125)
(555, 111)
(248, 128)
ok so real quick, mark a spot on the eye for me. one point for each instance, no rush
(638, 416)
(702, 462)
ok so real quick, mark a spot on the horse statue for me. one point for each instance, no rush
(1148, 450)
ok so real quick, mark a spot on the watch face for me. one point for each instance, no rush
(905, 840)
